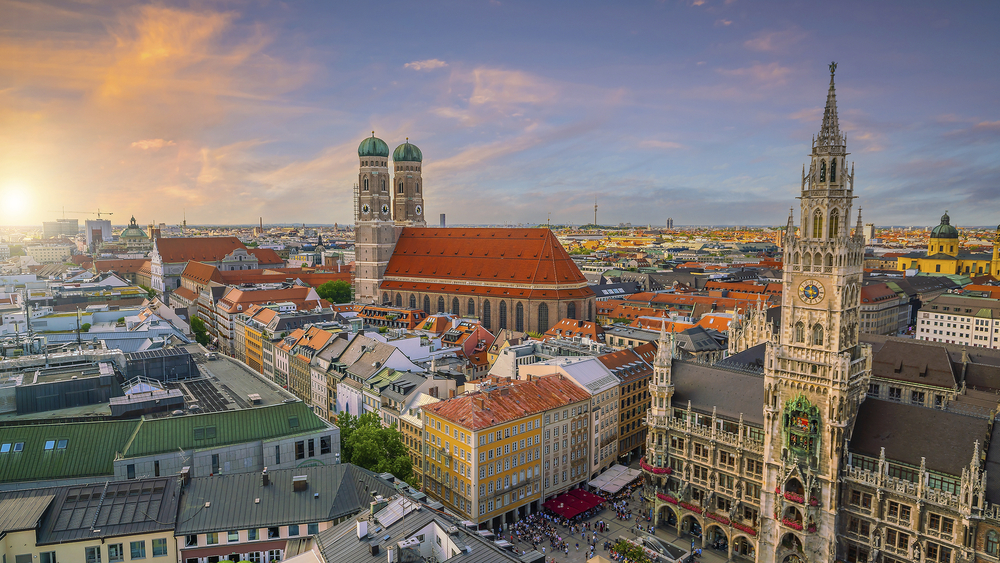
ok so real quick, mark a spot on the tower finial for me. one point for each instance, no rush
(373, 133)
(829, 139)
(833, 67)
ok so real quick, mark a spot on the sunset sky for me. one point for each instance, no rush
(700, 110)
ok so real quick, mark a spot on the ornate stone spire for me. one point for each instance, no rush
(829, 139)
(664, 348)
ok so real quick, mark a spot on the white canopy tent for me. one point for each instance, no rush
(616, 477)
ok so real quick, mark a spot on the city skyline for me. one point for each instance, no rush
(697, 110)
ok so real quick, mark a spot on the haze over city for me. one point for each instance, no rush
(698, 110)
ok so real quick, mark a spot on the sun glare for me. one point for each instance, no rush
(14, 205)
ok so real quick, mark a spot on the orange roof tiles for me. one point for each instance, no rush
(236, 300)
(196, 248)
(266, 256)
(568, 328)
(487, 256)
(128, 266)
(483, 409)
(201, 273)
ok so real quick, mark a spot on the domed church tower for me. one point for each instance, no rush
(374, 234)
(816, 372)
(944, 238)
(407, 193)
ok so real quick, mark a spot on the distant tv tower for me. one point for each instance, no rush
(595, 211)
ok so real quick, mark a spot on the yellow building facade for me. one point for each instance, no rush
(944, 255)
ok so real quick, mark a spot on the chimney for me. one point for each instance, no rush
(390, 551)
(362, 528)
(300, 483)
(264, 479)
(185, 476)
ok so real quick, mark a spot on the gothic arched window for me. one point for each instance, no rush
(503, 315)
(365, 184)
(992, 542)
(399, 300)
(590, 310)
(385, 298)
(416, 188)
(519, 318)
(807, 260)
(486, 315)
(834, 223)
(543, 317)
(818, 224)
(413, 301)
(571, 311)
(454, 306)
(471, 309)
(822, 171)
(440, 304)
(427, 304)
(400, 187)
(833, 170)
(817, 334)
(800, 332)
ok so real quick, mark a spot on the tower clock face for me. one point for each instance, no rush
(811, 291)
(366, 209)
(385, 209)
(419, 210)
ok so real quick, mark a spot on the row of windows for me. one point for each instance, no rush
(252, 534)
(116, 552)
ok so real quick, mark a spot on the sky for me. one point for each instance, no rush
(525, 111)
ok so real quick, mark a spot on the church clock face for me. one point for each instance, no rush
(366, 209)
(419, 210)
(385, 209)
(811, 291)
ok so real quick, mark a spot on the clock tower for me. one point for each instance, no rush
(816, 371)
(374, 232)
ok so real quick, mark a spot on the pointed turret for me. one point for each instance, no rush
(830, 139)
(663, 347)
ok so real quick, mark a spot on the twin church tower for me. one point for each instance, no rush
(383, 205)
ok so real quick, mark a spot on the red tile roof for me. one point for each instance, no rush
(266, 257)
(130, 266)
(487, 291)
(486, 256)
(201, 273)
(483, 409)
(237, 300)
(568, 328)
(877, 292)
(210, 249)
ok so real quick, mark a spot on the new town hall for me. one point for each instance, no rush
(815, 445)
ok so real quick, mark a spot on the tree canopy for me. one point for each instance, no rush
(199, 330)
(366, 443)
(336, 291)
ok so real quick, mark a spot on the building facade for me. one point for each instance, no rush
(957, 319)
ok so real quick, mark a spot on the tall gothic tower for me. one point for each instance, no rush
(816, 372)
(374, 235)
(407, 195)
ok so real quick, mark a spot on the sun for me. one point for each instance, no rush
(15, 203)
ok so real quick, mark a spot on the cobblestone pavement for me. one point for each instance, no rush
(621, 528)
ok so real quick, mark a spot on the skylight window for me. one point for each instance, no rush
(61, 444)
(4, 448)
(50, 444)
(19, 446)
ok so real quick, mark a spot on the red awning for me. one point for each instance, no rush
(573, 503)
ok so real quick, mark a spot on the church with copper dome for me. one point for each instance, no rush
(945, 256)
(519, 279)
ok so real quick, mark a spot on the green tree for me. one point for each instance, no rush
(336, 291)
(366, 443)
(85, 327)
(199, 330)
(631, 552)
(149, 291)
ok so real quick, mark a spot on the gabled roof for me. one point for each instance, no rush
(90, 450)
(484, 256)
(627, 364)
(483, 409)
(914, 362)
(730, 393)
(201, 273)
(211, 249)
(266, 257)
(124, 266)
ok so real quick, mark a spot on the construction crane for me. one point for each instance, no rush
(98, 212)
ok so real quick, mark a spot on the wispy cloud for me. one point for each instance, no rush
(775, 41)
(771, 73)
(428, 64)
(152, 144)
(655, 144)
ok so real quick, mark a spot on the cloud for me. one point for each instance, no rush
(428, 64)
(152, 144)
(775, 41)
(724, 23)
